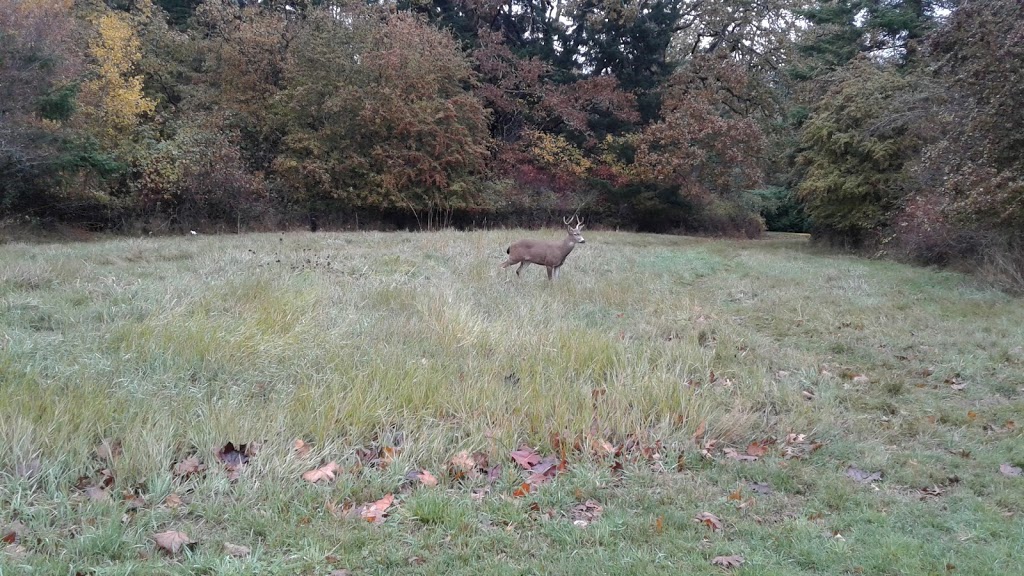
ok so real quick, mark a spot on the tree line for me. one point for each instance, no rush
(889, 125)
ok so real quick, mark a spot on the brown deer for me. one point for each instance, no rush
(551, 255)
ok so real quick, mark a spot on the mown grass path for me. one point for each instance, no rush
(650, 367)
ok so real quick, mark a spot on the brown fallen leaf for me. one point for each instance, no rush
(699, 432)
(526, 457)
(861, 380)
(97, 493)
(933, 491)
(462, 465)
(956, 382)
(236, 551)
(861, 476)
(108, 450)
(709, 520)
(300, 448)
(12, 533)
(1010, 470)
(426, 478)
(324, 473)
(172, 541)
(376, 512)
(728, 561)
(523, 489)
(757, 449)
(173, 501)
(585, 513)
(423, 477)
(732, 453)
(188, 467)
(233, 457)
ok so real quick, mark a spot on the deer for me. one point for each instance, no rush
(551, 255)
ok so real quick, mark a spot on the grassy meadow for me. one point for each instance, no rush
(764, 383)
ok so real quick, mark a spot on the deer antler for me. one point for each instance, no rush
(568, 221)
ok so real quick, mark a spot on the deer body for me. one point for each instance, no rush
(551, 255)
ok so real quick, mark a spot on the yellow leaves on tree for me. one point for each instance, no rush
(558, 153)
(115, 97)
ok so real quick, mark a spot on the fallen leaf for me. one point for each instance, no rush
(341, 572)
(861, 476)
(300, 448)
(732, 453)
(97, 493)
(861, 380)
(523, 489)
(1009, 470)
(462, 465)
(709, 520)
(807, 394)
(236, 551)
(526, 457)
(659, 524)
(736, 495)
(933, 492)
(173, 501)
(424, 477)
(699, 432)
(757, 449)
(12, 533)
(323, 473)
(972, 415)
(956, 382)
(233, 459)
(586, 512)
(727, 561)
(188, 467)
(172, 541)
(108, 450)
(376, 512)
(762, 488)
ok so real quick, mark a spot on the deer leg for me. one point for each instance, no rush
(550, 270)
(557, 268)
(521, 266)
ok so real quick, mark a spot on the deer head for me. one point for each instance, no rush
(551, 255)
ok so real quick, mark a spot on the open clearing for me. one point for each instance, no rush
(810, 413)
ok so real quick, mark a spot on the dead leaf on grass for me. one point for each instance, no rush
(931, 492)
(236, 551)
(526, 457)
(423, 477)
(173, 501)
(376, 512)
(728, 562)
(108, 450)
(732, 453)
(862, 476)
(710, 520)
(324, 473)
(1010, 470)
(861, 380)
(762, 488)
(301, 448)
(956, 382)
(188, 467)
(699, 432)
(234, 459)
(585, 513)
(172, 541)
(13, 532)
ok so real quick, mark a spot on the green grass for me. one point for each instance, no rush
(176, 346)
